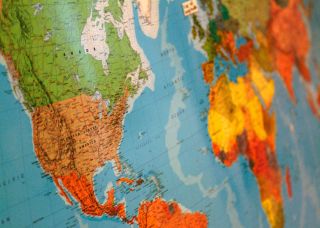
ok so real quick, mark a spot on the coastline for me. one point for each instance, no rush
(198, 44)
(12, 78)
(149, 17)
(129, 27)
(128, 23)
(19, 97)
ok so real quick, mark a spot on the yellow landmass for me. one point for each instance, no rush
(265, 86)
(273, 208)
(232, 104)
(225, 119)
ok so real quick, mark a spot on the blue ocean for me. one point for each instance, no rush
(166, 143)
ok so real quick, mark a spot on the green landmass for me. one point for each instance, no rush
(46, 50)
(197, 29)
(213, 28)
(143, 75)
(114, 9)
(122, 60)
(210, 48)
(224, 12)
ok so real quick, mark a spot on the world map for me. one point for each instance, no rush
(149, 113)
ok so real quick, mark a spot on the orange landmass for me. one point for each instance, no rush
(263, 163)
(290, 44)
(72, 139)
(226, 157)
(228, 43)
(159, 213)
(244, 51)
(207, 70)
(125, 180)
(288, 182)
(82, 190)
(289, 41)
